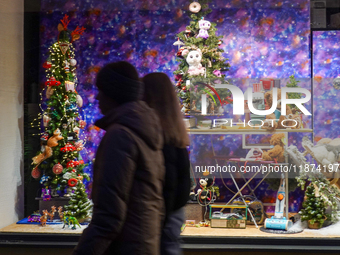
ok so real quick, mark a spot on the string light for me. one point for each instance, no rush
(59, 111)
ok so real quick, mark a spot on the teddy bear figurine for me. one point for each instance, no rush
(270, 122)
(295, 121)
(276, 153)
(194, 59)
(204, 26)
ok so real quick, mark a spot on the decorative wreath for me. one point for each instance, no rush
(72, 182)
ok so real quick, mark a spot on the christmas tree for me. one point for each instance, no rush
(201, 60)
(59, 158)
(79, 205)
(293, 83)
(314, 206)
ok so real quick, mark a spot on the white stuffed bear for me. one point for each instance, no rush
(325, 152)
(194, 58)
(204, 26)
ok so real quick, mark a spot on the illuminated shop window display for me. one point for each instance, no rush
(258, 89)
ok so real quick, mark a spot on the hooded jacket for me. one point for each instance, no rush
(127, 184)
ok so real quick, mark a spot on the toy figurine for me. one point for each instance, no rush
(70, 220)
(204, 26)
(43, 219)
(277, 152)
(270, 122)
(204, 194)
(60, 212)
(194, 58)
(46, 194)
(51, 214)
(35, 217)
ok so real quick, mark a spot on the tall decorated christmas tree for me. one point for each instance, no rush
(200, 57)
(59, 164)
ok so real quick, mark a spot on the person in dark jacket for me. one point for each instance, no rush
(128, 171)
(160, 95)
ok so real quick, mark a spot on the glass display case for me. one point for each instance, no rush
(256, 135)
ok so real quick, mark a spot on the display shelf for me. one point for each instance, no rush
(255, 131)
(193, 239)
(38, 229)
(250, 231)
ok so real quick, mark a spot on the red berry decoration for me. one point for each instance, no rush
(68, 147)
(35, 173)
(72, 182)
(47, 65)
(70, 164)
(57, 168)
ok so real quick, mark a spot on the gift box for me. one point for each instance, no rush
(218, 219)
(221, 223)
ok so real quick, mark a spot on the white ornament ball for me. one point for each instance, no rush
(73, 62)
(79, 101)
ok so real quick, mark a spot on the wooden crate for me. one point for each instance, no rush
(193, 211)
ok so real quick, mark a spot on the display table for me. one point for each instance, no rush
(230, 131)
(194, 239)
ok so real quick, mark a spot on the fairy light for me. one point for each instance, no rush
(58, 110)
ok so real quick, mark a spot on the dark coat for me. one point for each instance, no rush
(127, 184)
(177, 178)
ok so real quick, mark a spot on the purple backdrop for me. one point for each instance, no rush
(260, 38)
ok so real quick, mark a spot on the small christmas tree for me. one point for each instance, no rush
(79, 205)
(201, 60)
(293, 83)
(314, 206)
